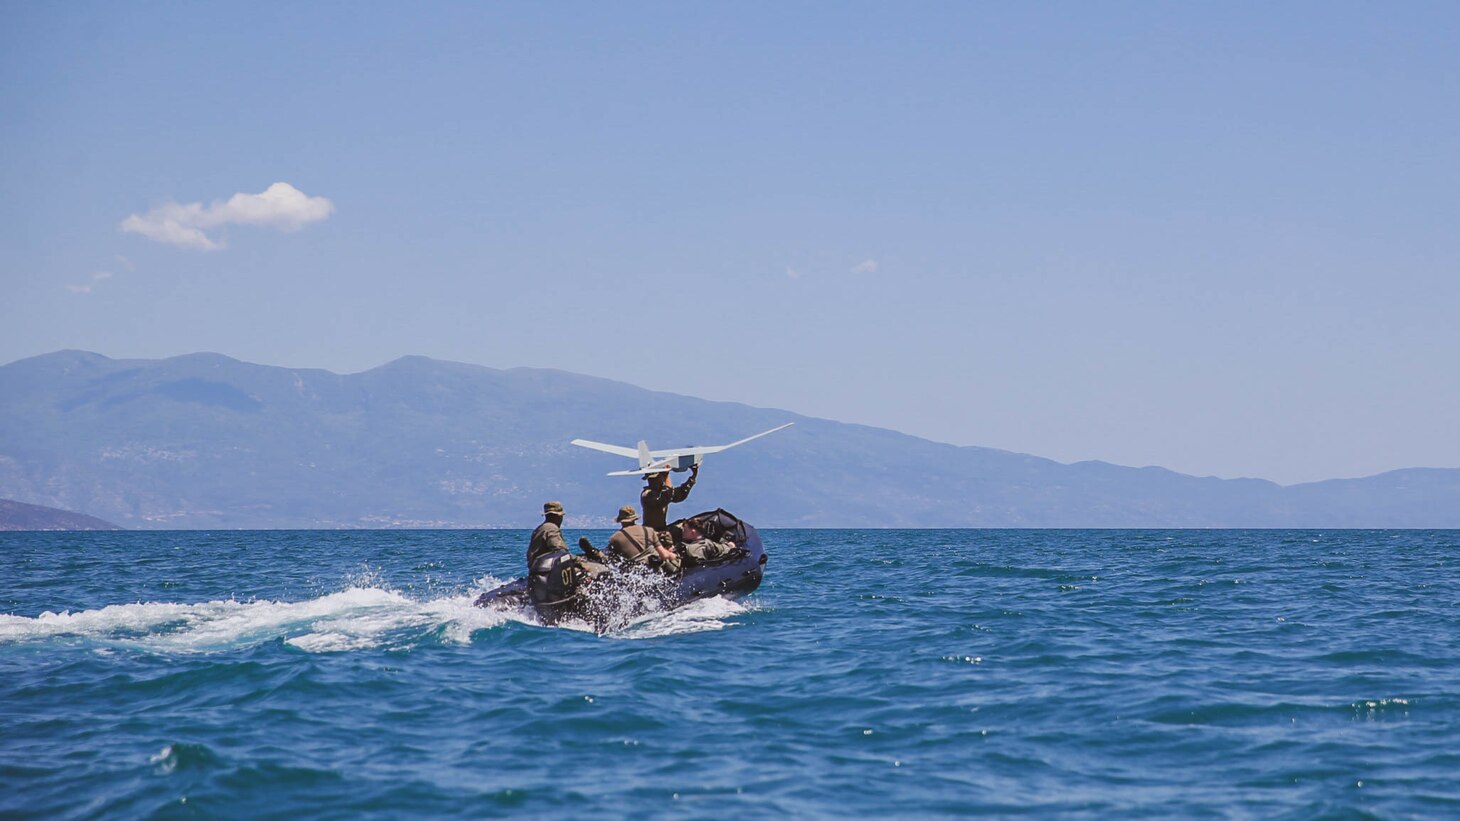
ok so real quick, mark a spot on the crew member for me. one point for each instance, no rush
(548, 536)
(700, 548)
(660, 492)
(637, 543)
(554, 575)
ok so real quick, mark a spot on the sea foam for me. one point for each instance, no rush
(358, 617)
(352, 619)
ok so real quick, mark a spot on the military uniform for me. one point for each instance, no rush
(546, 539)
(554, 575)
(655, 500)
(635, 543)
(699, 548)
(707, 550)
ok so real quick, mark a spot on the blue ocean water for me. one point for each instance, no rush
(895, 673)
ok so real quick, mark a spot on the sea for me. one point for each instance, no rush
(888, 673)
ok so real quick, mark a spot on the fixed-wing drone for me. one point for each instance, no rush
(658, 461)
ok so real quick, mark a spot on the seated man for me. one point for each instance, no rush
(636, 544)
(554, 575)
(699, 548)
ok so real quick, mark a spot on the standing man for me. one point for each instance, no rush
(660, 492)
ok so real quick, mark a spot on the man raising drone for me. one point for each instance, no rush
(659, 492)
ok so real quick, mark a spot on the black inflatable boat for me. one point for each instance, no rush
(623, 594)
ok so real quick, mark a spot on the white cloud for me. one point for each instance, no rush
(793, 273)
(866, 266)
(86, 287)
(172, 224)
(280, 206)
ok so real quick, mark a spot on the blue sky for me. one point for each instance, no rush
(1222, 238)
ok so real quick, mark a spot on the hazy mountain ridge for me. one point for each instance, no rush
(21, 516)
(204, 440)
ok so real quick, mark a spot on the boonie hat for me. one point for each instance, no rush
(627, 514)
(551, 508)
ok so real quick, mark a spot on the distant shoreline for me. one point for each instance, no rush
(769, 528)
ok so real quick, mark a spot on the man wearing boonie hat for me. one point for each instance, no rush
(549, 535)
(554, 575)
(636, 544)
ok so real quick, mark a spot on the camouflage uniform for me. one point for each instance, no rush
(636, 544)
(699, 548)
(706, 550)
(553, 573)
(655, 501)
(548, 536)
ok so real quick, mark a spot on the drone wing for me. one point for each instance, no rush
(616, 450)
(641, 471)
(708, 449)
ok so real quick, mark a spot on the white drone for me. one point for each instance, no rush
(658, 461)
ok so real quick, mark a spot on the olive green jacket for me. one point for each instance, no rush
(656, 501)
(634, 543)
(547, 538)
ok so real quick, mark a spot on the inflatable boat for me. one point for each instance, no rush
(624, 593)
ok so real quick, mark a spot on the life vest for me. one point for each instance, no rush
(554, 578)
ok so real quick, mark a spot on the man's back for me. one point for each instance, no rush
(634, 543)
(545, 539)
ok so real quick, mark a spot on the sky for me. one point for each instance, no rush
(1223, 238)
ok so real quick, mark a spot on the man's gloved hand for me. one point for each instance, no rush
(590, 551)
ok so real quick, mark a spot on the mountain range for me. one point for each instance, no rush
(206, 441)
(20, 516)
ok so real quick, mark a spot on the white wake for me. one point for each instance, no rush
(356, 618)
